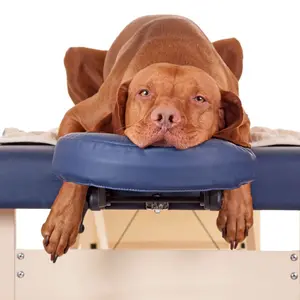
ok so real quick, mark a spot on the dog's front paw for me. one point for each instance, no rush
(62, 225)
(236, 216)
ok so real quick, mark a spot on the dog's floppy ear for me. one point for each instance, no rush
(84, 69)
(234, 124)
(102, 112)
(232, 54)
(118, 117)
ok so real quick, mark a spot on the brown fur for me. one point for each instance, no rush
(173, 59)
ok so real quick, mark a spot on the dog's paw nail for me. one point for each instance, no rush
(55, 258)
(231, 245)
(81, 228)
(46, 241)
(223, 233)
(66, 250)
(235, 244)
(246, 232)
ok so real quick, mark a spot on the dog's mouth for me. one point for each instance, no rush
(160, 139)
(162, 143)
(163, 137)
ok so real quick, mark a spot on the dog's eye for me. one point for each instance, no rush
(144, 93)
(199, 99)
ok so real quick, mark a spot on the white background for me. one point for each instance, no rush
(36, 34)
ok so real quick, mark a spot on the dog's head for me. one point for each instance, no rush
(179, 106)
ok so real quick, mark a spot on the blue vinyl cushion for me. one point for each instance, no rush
(277, 180)
(26, 177)
(112, 161)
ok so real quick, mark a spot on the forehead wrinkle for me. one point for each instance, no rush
(206, 87)
(187, 86)
(196, 82)
(162, 83)
(165, 74)
(166, 78)
(176, 80)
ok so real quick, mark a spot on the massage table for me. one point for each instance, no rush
(122, 176)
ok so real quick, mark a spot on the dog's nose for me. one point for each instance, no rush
(165, 117)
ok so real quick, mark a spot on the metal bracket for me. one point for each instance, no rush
(157, 207)
(97, 199)
(212, 200)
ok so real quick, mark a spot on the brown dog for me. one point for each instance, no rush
(161, 83)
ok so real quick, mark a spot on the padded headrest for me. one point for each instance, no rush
(114, 162)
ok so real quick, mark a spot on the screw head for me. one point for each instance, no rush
(20, 274)
(294, 257)
(20, 256)
(294, 276)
